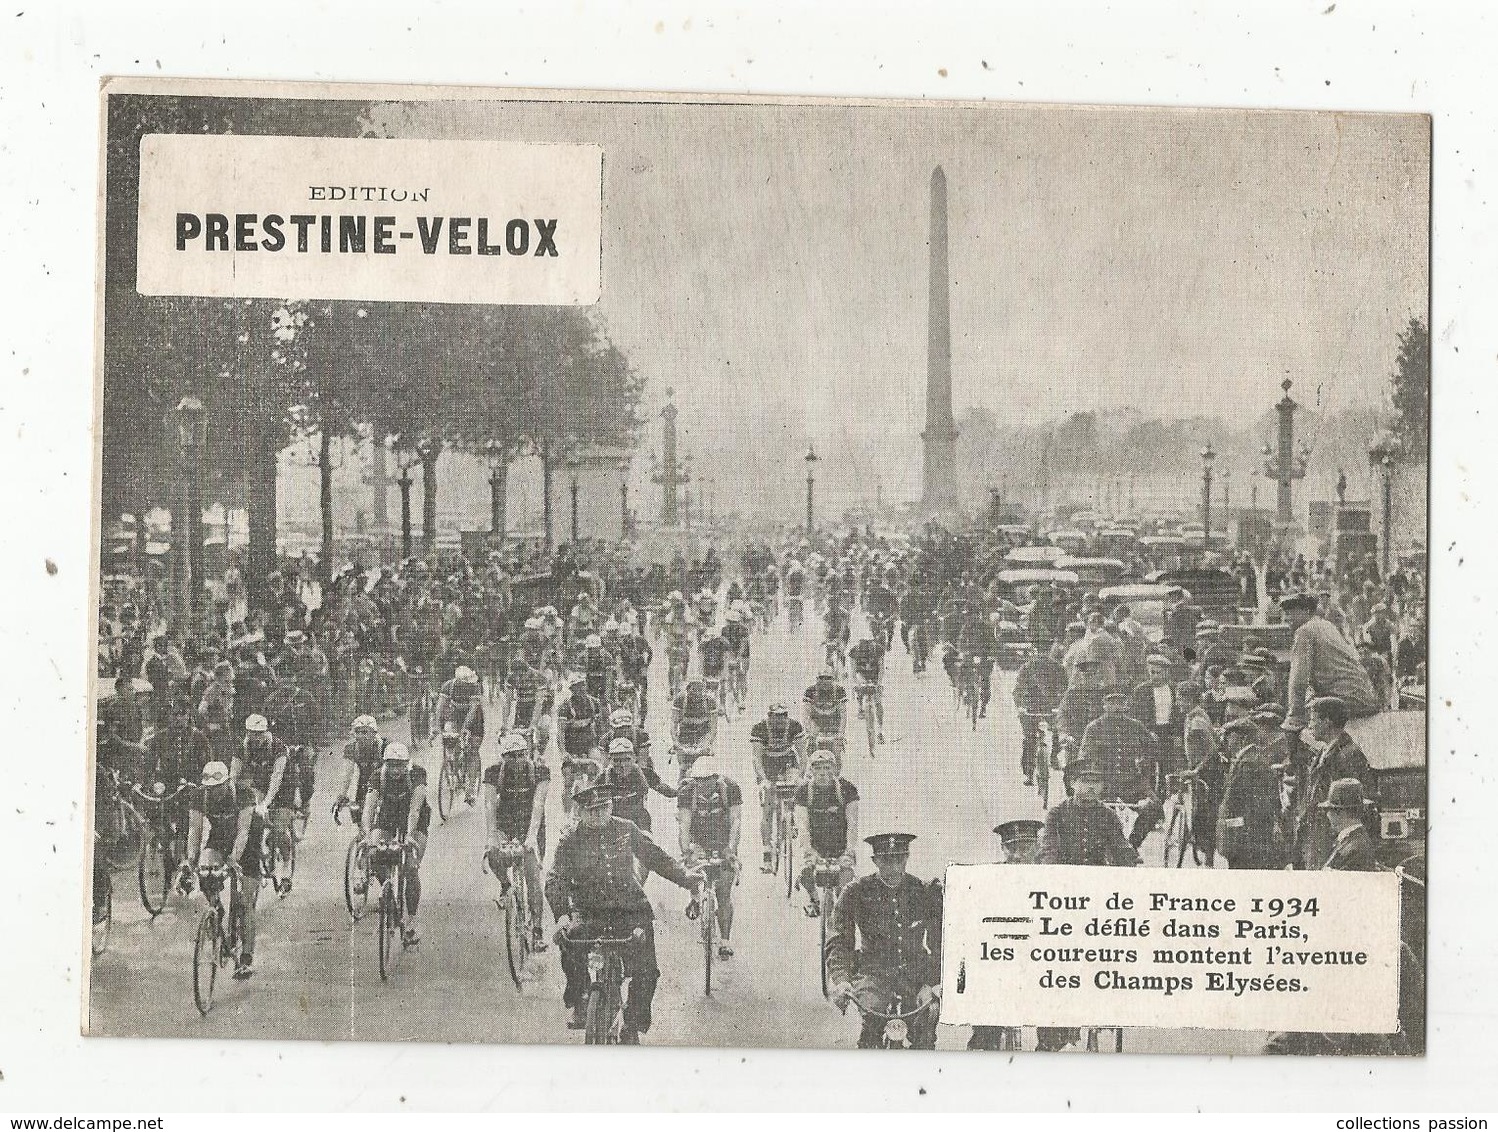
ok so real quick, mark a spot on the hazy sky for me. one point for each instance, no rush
(770, 263)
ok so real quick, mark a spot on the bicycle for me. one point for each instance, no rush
(604, 999)
(220, 936)
(456, 748)
(355, 866)
(387, 863)
(162, 845)
(738, 684)
(795, 613)
(705, 909)
(1180, 809)
(896, 1034)
(968, 693)
(103, 910)
(419, 710)
(120, 826)
(713, 686)
(1045, 748)
(783, 831)
(514, 904)
(864, 691)
(827, 876)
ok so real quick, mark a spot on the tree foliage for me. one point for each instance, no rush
(1411, 389)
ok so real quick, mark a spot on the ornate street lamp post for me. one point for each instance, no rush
(624, 497)
(407, 459)
(811, 478)
(497, 457)
(1383, 454)
(1208, 456)
(574, 465)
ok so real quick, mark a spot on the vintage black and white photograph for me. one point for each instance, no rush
(578, 569)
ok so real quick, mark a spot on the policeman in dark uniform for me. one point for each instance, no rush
(1020, 839)
(1119, 744)
(898, 921)
(593, 885)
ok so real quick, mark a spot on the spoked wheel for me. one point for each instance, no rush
(1174, 852)
(709, 915)
(153, 874)
(787, 848)
(826, 922)
(1043, 778)
(447, 790)
(355, 876)
(517, 939)
(205, 961)
(389, 935)
(597, 1031)
(288, 853)
(103, 918)
(868, 717)
(124, 839)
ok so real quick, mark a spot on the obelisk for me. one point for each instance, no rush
(939, 482)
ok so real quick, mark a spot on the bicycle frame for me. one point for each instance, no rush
(896, 1022)
(606, 980)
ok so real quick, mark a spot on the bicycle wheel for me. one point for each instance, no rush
(447, 790)
(205, 959)
(152, 876)
(514, 936)
(355, 874)
(709, 923)
(388, 937)
(1043, 778)
(868, 720)
(596, 1028)
(787, 852)
(1174, 851)
(826, 921)
(103, 919)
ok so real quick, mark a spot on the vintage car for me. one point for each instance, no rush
(1394, 744)
(1015, 644)
(1094, 572)
(1214, 591)
(1146, 602)
(1072, 541)
(1043, 557)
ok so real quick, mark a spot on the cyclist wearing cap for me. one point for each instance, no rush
(1120, 744)
(885, 942)
(594, 891)
(461, 704)
(293, 714)
(581, 721)
(827, 810)
(712, 654)
(523, 691)
(396, 806)
(515, 810)
(629, 779)
(262, 768)
(598, 666)
(867, 661)
(635, 657)
(825, 709)
(694, 724)
(709, 813)
(623, 725)
(362, 755)
(778, 745)
(223, 825)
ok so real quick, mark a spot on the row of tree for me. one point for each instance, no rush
(423, 377)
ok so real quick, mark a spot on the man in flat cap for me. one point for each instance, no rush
(1081, 703)
(1248, 834)
(1120, 745)
(1341, 758)
(1322, 663)
(1158, 706)
(885, 942)
(1080, 830)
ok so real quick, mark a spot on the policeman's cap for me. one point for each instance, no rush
(593, 797)
(1303, 601)
(1019, 829)
(890, 844)
(1333, 709)
(1083, 768)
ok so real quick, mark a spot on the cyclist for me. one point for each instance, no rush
(839, 627)
(396, 806)
(778, 745)
(292, 712)
(598, 666)
(880, 605)
(533, 643)
(622, 725)
(1038, 688)
(515, 810)
(580, 718)
(630, 781)
(178, 752)
(886, 942)
(262, 767)
(827, 812)
(362, 755)
(594, 891)
(825, 709)
(709, 811)
(459, 703)
(694, 725)
(233, 833)
(712, 657)
(635, 657)
(523, 688)
(977, 641)
(867, 661)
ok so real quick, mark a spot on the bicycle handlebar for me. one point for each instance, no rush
(604, 940)
(865, 1009)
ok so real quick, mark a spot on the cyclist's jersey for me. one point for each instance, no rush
(291, 714)
(533, 647)
(708, 801)
(736, 637)
(635, 657)
(735, 591)
(837, 622)
(395, 788)
(827, 815)
(714, 655)
(826, 710)
(366, 756)
(641, 740)
(579, 719)
(977, 638)
(779, 744)
(630, 786)
(221, 807)
(463, 707)
(879, 600)
(515, 780)
(522, 682)
(794, 582)
(597, 662)
(771, 580)
(258, 762)
(867, 659)
(694, 715)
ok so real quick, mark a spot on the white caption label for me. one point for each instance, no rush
(1053, 945)
(370, 219)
